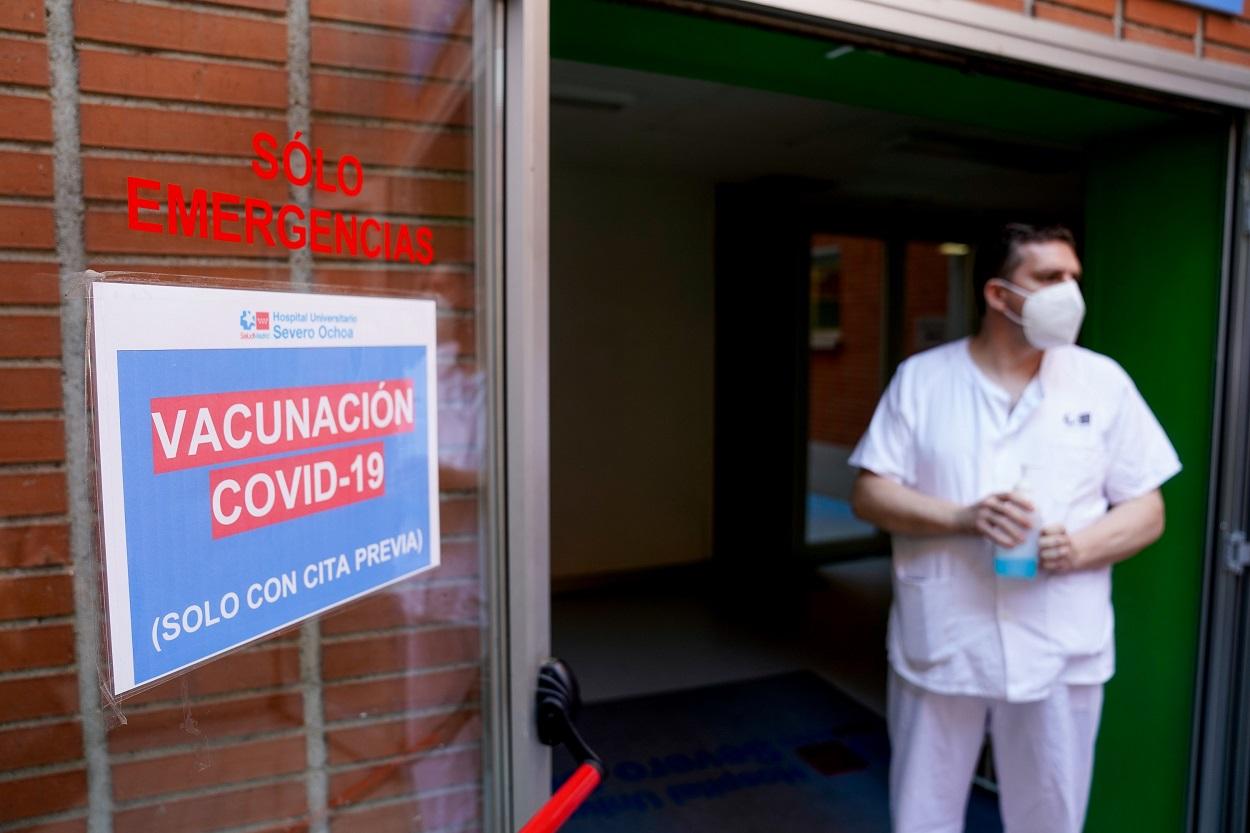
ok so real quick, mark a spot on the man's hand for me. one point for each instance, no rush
(1002, 517)
(1056, 550)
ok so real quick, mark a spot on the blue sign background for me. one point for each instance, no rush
(172, 557)
(1230, 6)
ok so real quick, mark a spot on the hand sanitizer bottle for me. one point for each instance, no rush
(1020, 562)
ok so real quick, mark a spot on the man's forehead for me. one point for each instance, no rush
(1049, 254)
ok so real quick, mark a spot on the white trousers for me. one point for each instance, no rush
(1043, 755)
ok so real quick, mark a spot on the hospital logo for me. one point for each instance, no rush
(253, 325)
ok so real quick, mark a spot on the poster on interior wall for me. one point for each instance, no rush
(264, 457)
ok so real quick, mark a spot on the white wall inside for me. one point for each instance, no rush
(631, 370)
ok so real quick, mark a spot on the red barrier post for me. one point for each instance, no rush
(565, 802)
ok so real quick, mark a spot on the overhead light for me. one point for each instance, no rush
(954, 249)
(834, 54)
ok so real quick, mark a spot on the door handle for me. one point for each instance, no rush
(558, 701)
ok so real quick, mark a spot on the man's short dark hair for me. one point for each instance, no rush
(998, 255)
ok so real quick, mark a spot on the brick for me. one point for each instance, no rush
(45, 646)
(29, 597)
(1219, 53)
(192, 80)
(1163, 15)
(105, 178)
(23, 62)
(31, 493)
(25, 174)
(1227, 30)
(434, 812)
(402, 54)
(375, 698)
(414, 147)
(1009, 5)
(25, 119)
(459, 560)
(1102, 7)
(458, 331)
(30, 336)
(410, 602)
(404, 195)
(458, 516)
(150, 730)
(1071, 17)
(144, 128)
(406, 778)
(1155, 37)
(213, 812)
(258, 5)
(180, 29)
(38, 545)
(402, 737)
(26, 227)
(450, 288)
(28, 282)
(42, 795)
(32, 441)
(429, 102)
(30, 388)
(22, 16)
(27, 698)
(206, 768)
(55, 743)
(431, 16)
(270, 666)
(400, 651)
(451, 477)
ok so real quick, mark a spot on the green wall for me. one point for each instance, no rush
(1154, 215)
(618, 34)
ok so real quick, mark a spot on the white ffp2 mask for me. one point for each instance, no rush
(1051, 316)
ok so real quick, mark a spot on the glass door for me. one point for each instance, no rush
(310, 148)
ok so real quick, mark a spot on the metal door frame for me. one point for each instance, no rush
(520, 608)
(1220, 759)
(523, 606)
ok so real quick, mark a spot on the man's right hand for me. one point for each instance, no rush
(1003, 518)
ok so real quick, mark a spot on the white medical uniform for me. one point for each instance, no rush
(970, 649)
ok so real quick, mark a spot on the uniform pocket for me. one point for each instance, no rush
(1079, 611)
(922, 608)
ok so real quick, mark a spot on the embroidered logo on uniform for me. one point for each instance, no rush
(1076, 419)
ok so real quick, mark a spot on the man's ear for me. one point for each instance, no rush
(993, 294)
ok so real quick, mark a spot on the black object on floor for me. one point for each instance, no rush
(780, 754)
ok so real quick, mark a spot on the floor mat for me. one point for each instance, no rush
(778, 754)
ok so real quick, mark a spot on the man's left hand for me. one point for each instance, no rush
(1056, 550)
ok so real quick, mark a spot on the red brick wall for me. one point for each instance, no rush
(845, 382)
(41, 746)
(174, 92)
(1211, 35)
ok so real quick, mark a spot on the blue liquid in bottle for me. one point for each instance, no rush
(1020, 561)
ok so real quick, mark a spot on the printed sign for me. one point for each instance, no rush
(1227, 6)
(264, 457)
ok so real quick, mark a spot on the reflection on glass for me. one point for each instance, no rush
(844, 375)
(849, 343)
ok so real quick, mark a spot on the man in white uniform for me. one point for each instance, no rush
(970, 649)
